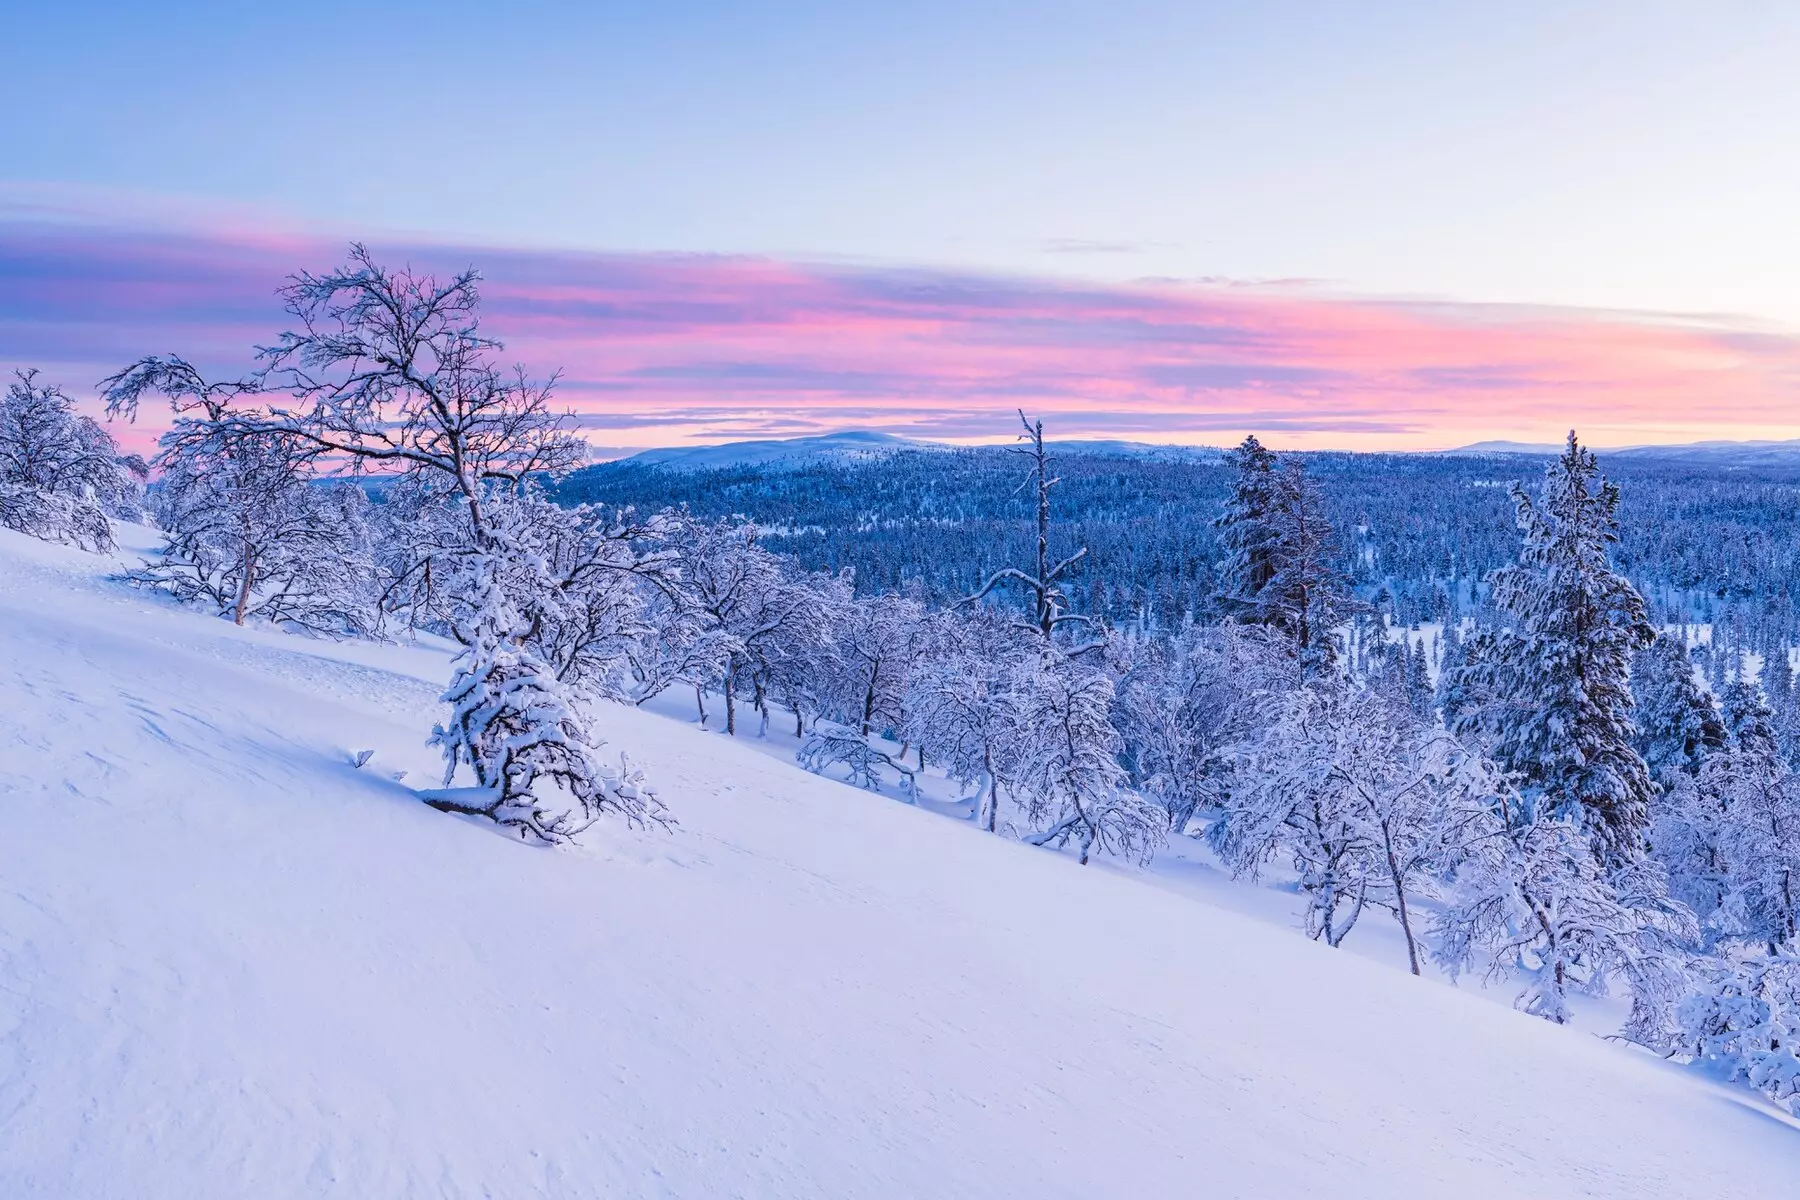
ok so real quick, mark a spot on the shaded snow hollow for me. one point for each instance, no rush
(233, 965)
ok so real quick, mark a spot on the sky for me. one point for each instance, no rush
(1375, 225)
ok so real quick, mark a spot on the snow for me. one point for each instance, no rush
(782, 453)
(862, 445)
(233, 964)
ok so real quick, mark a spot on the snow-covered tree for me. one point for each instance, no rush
(1777, 676)
(1686, 836)
(1462, 696)
(1185, 702)
(511, 726)
(873, 641)
(1068, 777)
(1309, 596)
(687, 650)
(1551, 688)
(1532, 897)
(416, 534)
(1368, 806)
(1044, 583)
(758, 610)
(795, 666)
(1282, 553)
(1677, 723)
(1421, 693)
(594, 573)
(1753, 800)
(1250, 530)
(248, 534)
(963, 701)
(389, 371)
(61, 474)
(248, 528)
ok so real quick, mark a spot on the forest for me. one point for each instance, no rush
(1557, 791)
(1705, 542)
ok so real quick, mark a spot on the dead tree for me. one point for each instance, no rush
(1049, 603)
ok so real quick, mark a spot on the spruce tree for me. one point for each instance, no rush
(1557, 674)
(1248, 532)
(1678, 724)
(1281, 567)
(1749, 717)
(1777, 673)
(1421, 697)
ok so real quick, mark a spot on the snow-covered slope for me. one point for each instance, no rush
(233, 965)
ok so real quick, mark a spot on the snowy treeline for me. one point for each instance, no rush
(1417, 533)
(1548, 793)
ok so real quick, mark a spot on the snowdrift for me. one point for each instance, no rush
(234, 964)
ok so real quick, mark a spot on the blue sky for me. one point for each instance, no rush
(1630, 155)
(1551, 181)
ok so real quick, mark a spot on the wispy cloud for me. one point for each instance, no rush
(657, 348)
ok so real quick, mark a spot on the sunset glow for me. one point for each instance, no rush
(680, 349)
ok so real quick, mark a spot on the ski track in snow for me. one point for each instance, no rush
(231, 964)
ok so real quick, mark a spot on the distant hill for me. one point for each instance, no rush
(1729, 455)
(862, 445)
(1718, 454)
(1150, 451)
(1507, 448)
(781, 453)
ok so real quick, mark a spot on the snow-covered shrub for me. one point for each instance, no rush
(829, 744)
(1743, 1021)
(61, 474)
(512, 727)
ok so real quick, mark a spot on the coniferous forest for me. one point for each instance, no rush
(1704, 542)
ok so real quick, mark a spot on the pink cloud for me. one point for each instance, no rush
(658, 349)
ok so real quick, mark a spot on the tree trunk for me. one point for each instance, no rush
(1412, 947)
(243, 597)
(730, 706)
(700, 703)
